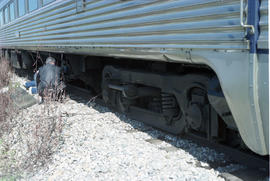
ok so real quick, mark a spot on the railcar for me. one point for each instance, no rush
(197, 67)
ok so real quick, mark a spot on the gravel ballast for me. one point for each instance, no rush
(98, 145)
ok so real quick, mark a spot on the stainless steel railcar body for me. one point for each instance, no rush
(190, 31)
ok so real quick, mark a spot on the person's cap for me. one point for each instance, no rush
(50, 59)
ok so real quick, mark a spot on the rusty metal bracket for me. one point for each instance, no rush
(80, 6)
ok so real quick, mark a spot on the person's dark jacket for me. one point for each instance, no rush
(48, 77)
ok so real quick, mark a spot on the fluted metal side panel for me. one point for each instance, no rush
(263, 37)
(211, 24)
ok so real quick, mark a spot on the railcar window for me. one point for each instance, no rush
(33, 5)
(47, 1)
(21, 5)
(6, 15)
(1, 18)
(12, 11)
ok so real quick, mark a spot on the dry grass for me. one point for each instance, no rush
(28, 137)
(6, 109)
(43, 132)
(4, 73)
(35, 136)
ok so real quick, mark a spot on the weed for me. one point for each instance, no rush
(28, 137)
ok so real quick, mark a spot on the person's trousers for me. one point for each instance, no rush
(30, 84)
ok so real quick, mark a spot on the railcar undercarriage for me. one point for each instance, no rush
(177, 98)
(179, 104)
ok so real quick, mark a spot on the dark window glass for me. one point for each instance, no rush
(12, 11)
(33, 5)
(47, 1)
(21, 5)
(6, 15)
(1, 18)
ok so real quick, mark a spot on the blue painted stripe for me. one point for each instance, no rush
(253, 19)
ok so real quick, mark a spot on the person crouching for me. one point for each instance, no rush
(49, 81)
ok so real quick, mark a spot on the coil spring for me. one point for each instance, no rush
(169, 104)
